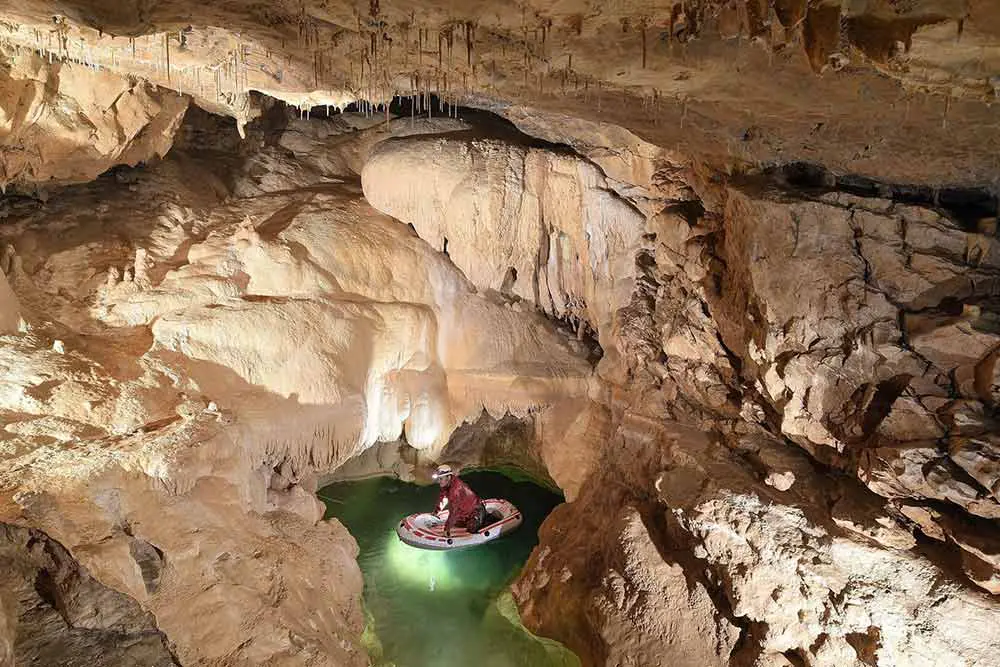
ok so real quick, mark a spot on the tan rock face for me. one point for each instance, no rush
(10, 308)
(55, 612)
(860, 350)
(833, 322)
(848, 86)
(66, 123)
(556, 228)
(144, 407)
(630, 593)
(831, 592)
(778, 590)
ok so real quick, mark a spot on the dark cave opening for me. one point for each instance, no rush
(966, 205)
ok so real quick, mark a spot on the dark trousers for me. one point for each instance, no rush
(477, 520)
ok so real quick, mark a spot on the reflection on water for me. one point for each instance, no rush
(444, 608)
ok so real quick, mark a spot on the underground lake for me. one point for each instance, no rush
(443, 608)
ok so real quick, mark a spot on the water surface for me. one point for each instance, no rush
(444, 609)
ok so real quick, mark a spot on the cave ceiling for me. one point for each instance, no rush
(900, 90)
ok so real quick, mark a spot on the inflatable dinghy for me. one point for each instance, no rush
(426, 531)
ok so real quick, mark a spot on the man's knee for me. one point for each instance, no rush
(478, 520)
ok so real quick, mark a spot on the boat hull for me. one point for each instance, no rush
(426, 530)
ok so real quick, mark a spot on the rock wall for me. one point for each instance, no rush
(881, 361)
(794, 580)
(55, 613)
(10, 309)
(64, 122)
(525, 222)
(767, 321)
(186, 372)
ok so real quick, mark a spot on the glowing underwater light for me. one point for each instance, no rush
(430, 570)
(468, 569)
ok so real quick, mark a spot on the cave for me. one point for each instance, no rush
(710, 290)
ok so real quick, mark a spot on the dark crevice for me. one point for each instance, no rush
(485, 124)
(691, 211)
(965, 205)
(946, 556)
(45, 586)
(886, 393)
(866, 645)
(879, 37)
(795, 658)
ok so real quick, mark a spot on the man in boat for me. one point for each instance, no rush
(465, 509)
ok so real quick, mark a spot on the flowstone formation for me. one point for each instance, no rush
(857, 328)
(726, 273)
(201, 370)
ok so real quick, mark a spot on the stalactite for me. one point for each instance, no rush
(642, 30)
(470, 31)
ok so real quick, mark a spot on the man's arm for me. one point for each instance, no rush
(442, 500)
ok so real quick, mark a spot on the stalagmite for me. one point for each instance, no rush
(141, 269)
(6, 260)
(113, 278)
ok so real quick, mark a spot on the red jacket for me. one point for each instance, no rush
(462, 502)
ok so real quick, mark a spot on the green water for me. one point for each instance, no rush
(450, 608)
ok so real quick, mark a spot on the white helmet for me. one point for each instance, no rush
(442, 471)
